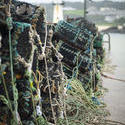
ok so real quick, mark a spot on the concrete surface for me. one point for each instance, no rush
(115, 98)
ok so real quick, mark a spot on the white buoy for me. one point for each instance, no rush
(57, 10)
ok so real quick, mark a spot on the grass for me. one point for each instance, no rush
(74, 12)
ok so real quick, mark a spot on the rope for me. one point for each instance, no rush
(109, 122)
(91, 58)
(75, 72)
(7, 94)
(45, 37)
(77, 67)
(10, 26)
(50, 95)
(109, 77)
(12, 78)
(47, 75)
(117, 122)
(94, 64)
(11, 58)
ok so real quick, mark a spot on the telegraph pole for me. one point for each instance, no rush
(85, 7)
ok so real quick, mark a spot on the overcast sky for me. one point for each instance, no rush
(48, 1)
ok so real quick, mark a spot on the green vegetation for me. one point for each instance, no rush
(74, 12)
(120, 21)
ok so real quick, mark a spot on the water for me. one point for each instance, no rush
(115, 98)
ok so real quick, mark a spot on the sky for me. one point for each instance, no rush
(48, 1)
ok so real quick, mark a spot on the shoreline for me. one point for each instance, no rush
(111, 29)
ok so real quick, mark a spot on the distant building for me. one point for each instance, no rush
(110, 19)
(103, 9)
(69, 8)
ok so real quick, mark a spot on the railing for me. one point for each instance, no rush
(107, 41)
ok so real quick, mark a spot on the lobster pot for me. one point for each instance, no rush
(22, 11)
(85, 79)
(2, 15)
(98, 41)
(68, 71)
(69, 53)
(73, 36)
(73, 58)
(83, 24)
(21, 47)
(20, 44)
(28, 13)
(4, 71)
(79, 53)
(38, 19)
(86, 64)
(27, 66)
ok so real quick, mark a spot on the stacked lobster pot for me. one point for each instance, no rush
(85, 24)
(30, 66)
(78, 45)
